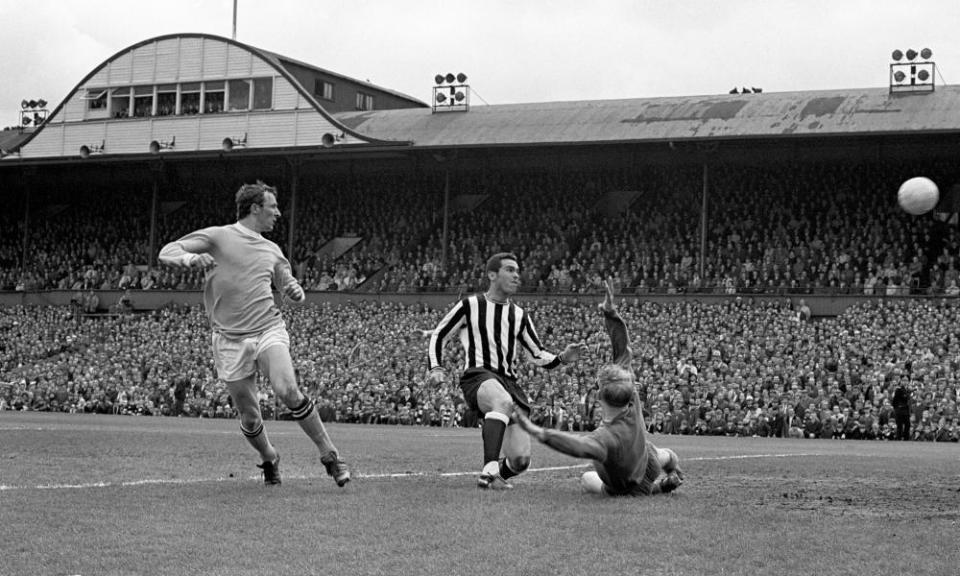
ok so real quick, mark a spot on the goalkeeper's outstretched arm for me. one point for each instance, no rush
(569, 444)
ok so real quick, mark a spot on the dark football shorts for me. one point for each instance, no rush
(471, 380)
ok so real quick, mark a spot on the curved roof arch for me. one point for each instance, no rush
(273, 60)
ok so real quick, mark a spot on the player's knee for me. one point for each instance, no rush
(493, 398)
(591, 483)
(668, 459)
(291, 397)
(248, 412)
(518, 463)
(251, 424)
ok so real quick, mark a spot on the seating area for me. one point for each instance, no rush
(823, 230)
(744, 368)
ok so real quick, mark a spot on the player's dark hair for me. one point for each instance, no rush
(494, 263)
(250, 194)
(616, 385)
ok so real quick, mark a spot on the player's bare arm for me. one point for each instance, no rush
(569, 444)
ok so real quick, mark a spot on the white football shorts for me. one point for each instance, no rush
(237, 359)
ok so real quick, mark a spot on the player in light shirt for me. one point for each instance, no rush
(625, 462)
(248, 330)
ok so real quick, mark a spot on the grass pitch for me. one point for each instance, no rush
(92, 495)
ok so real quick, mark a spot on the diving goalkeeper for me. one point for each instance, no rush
(625, 462)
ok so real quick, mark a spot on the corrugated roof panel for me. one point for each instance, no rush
(764, 115)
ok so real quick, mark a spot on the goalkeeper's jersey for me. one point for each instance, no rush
(631, 465)
(237, 292)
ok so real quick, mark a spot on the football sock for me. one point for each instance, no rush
(309, 420)
(257, 438)
(506, 472)
(494, 425)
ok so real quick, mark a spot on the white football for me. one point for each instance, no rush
(918, 195)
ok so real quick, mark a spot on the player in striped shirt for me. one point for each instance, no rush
(625, 462)
(248, 330)
(494, 332)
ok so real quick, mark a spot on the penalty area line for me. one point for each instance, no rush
(382, 476)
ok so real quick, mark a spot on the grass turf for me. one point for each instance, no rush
(90, 495)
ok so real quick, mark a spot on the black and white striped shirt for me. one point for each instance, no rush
(492, 336)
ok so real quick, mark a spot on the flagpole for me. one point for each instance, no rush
(234, 19)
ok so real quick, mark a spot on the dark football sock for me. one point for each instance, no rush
(506, 471)
(494, 425)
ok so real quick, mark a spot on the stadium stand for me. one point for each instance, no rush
(800, 230)
(743, 368)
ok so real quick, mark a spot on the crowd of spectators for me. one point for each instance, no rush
(745, 367)
(798, 229)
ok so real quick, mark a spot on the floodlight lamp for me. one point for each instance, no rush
(441, 97)
(911, 54)
(926, 53)
(87, 149)
(899, 76)
(438, 79)
(461, 77)
(229, 143)
(460, 96)
(923, 75)
(32, 104)
(329, 140)
(897, 55)
(24, 104)
(157, 146)
(42, 103)
(25, 120)
(450, 77)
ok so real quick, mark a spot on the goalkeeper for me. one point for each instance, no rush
(625, 462)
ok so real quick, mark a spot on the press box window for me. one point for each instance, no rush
(190, 98)
(262, 93)
(323, 89)
(166, 100)
(142, 101)
(96, 99)
(120, 102)
(364, 101)
(213, 97)
(239, 94)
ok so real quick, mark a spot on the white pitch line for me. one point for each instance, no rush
(749, 456)
(383, 476)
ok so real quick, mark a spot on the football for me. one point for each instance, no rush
(918, 195)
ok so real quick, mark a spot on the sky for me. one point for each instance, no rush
(511, 50)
